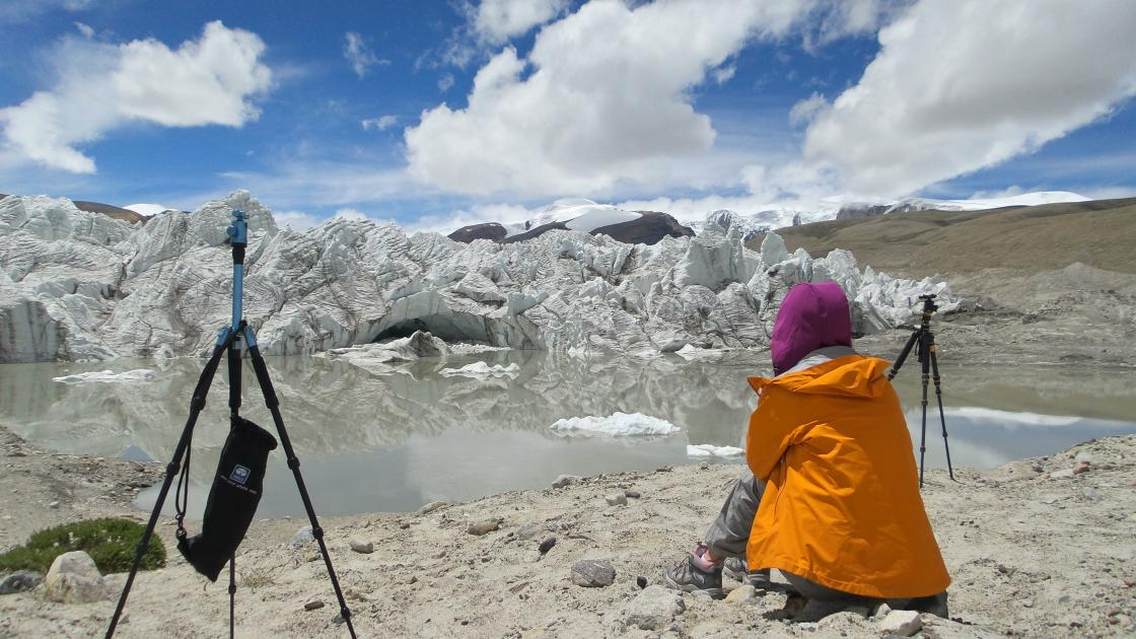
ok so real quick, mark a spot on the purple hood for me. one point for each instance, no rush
(811, 316)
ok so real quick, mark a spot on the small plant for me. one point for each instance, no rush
(110, 541)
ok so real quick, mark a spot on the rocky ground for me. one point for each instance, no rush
(40, 489)
(1039, 548)
(1077, 315)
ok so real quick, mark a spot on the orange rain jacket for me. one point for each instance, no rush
(841, 505)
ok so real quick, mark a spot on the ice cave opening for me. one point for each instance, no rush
(451, 327)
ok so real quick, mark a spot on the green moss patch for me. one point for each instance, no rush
(110, 541)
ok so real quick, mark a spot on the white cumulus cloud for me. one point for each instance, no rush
(602, 98)
(964, 84)
(101, 86)
(498, 20)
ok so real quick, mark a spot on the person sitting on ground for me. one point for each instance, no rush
(832, 501)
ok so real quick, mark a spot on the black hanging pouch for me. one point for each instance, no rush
(232, 499)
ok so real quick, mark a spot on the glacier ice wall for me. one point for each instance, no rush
(76, 286)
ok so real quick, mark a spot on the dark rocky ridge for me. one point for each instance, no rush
(108, 210)
(488, 231)
(648, 228)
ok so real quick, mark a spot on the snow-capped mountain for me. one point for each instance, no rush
(149, 210)
(1037, 198)
(585, 216)
(753, 224)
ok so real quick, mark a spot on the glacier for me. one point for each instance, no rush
(77, 285)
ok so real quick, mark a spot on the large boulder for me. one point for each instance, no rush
(74, 578)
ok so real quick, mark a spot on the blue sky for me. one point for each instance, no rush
(339, 106)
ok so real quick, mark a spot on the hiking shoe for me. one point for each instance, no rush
(696, 574)
(735, 569)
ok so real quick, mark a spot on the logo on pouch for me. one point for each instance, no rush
(240, 474)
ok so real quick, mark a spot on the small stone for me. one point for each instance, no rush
(313, 605)
(483, 527)
(901, 622)
(741, 594)
(641, 582)
(302, 537)
(616, 499)
(74, 578)
(882, 611)
(53, 505)
(593, 573)
(403, 526)
(631, 494)
(565, 480)
(1064, 473)
(20, 581)
(653, 608)
(1082, 467)
(546, 545)
(1090, 493)
(431, 507)
(1027, 603)
(362, 547)
(664, 469)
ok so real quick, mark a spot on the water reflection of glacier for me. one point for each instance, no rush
(392, 442)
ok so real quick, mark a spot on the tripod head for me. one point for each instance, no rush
(929, 308)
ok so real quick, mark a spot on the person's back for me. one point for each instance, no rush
(832, 501)
(842, 507)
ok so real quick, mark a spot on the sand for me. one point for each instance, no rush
(1033, 551)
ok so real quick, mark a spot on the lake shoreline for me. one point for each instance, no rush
(1032, 549)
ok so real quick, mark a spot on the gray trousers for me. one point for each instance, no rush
(729, 534)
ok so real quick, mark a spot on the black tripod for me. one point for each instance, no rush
(930, 363)
(229, 340)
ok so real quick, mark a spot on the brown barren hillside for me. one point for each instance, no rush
(1099, 233)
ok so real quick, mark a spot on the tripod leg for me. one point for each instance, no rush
(925, 360)
(232, 596)
(195, 408)
(939, 396)
(903, 354)
(273, 404)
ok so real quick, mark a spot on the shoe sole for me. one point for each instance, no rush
(716, 593)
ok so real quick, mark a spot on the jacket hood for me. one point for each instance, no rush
(812, 316)
(849, 376)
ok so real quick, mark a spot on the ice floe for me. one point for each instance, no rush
(710, 450)
(108, 377)
(615, 425)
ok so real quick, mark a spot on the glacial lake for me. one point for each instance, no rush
(393, 442)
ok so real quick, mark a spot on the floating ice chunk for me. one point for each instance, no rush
(108, 377)
(692, 353)
(710, 450)
(463, 348)
(481, 370)
(615, 425)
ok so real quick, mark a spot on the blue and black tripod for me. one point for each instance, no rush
(240, 473)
